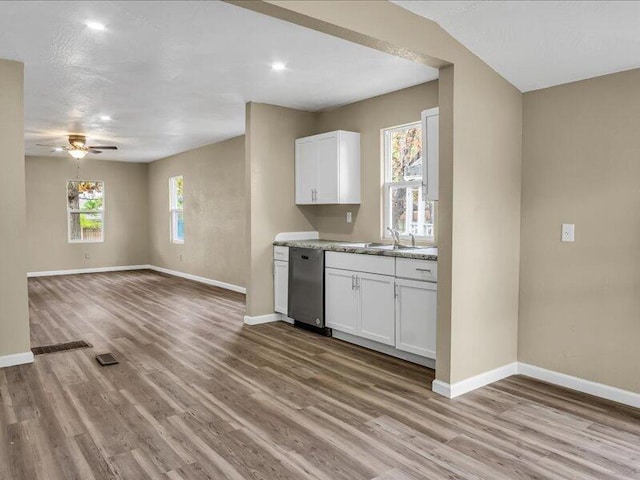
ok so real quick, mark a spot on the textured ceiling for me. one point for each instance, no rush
(176, 75)
(538, 44)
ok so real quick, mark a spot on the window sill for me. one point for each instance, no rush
(86, 241)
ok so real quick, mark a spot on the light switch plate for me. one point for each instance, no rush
(568, 232)
(349, 217)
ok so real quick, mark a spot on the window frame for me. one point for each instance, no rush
(173, 210)
(78, 211)
(388, 184)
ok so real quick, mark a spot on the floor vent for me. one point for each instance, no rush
(60, 347)
(105, 359)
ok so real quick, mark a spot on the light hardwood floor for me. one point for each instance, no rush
(199, 395)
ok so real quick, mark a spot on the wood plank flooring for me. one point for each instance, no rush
(199, 395)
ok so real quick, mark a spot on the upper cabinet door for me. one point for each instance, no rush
(430, 150)
(328, 168)
(306, 170)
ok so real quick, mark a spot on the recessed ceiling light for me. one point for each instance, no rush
(278, 66)
(95, 26)
(57, 149)
(105, 118)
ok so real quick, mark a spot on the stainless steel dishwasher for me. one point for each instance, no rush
(306, 286)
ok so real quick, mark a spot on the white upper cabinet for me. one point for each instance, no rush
(328, 168)
(430, 134)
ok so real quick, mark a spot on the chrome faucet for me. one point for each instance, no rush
(396, 236)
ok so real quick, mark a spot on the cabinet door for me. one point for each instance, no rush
(376, 307)
(306, 170)
(328, 167)
(430, 136)
(416, 317)
(280, 286)
(340, 308)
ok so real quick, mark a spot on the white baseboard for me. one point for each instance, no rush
(460, 388)
(258, 319)
(51, 273)
(600, 390)
(16, 359)
(581, 385)
(188, 276)
(197, 278)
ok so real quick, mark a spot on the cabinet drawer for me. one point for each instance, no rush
(417, 269)
(360, 262)
(281, 253)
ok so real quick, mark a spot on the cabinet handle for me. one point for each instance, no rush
(428, 270)
(357, 282)
(353, 282)
(395, 290)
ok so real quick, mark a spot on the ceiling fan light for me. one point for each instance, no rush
(77, 153)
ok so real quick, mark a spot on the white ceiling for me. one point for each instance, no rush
(538, 44)
(176, 75)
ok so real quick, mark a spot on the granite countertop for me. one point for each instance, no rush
(421, 253)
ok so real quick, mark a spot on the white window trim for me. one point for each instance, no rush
(173, 210)
(385, 135)
(70, 211)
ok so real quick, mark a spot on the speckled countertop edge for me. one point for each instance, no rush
(427, 253)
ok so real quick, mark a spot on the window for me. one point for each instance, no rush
(176, 200)
(405, 207)
(85, 211)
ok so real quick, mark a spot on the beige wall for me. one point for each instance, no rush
(126, 231)
(368, 117)
(271, 133)
(215, 218)
(14, 314)
(480, 159)
(580, 302)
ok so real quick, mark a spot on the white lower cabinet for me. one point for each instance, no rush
(416, 314)
(360, 303)
(280, 286)
(386, 300)
(341, 303)
(376, 307)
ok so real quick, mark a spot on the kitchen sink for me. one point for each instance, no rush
(384, 246)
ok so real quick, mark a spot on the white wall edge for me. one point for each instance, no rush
(51, 273)
(601, 390)
(289, 236)
(259, 319)
(197, 278)
(472, 383)
(16, 359)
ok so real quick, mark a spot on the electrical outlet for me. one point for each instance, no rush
(568, 232)
(349, 217)
(87, 256)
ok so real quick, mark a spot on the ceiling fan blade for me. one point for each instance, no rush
(52, 146)
(103, 147)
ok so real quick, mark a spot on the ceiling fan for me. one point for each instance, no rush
(78, 147)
